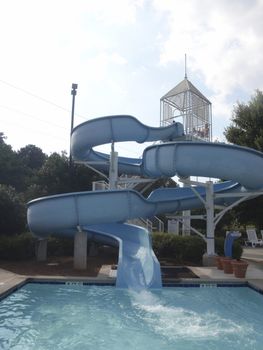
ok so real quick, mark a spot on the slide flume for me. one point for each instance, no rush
(104, 213)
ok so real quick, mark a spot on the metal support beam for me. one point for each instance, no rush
(198, 195)
(239, 194)
(193, 217)
(219, 216)
(186, 223)
(190, 228)
(210, 228)
(191, 182)
(96, 171)
(74, 88)
(113, 169)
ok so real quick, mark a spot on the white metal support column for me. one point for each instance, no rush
(186, 223)
(208, 258)
(113, 169)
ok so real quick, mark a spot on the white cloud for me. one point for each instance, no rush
(124, 54)
(223, 40)
(47, 45)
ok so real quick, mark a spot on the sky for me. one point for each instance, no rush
(124, 55)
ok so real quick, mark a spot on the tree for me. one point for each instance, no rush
(32, 157)
(13, 213)
(55, 177)
(247, 130)
(11, 169)
(247, 123)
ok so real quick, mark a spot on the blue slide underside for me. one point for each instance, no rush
(104, 213)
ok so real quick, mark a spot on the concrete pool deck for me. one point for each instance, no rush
(10, 280)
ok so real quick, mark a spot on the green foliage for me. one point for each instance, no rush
(247, 130)
(29, 174)
(54, 176)
(12, 209)
(22, 247)
(183, 249)
(60, 246)
(32, 157)
(11, 169)
(247, 123)
(19, 247)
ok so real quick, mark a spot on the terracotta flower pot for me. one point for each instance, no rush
(239, 268)
(227, 266)
(219, 264)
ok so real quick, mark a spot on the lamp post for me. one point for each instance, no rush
(74, 88)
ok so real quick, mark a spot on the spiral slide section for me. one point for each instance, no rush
(104, 213)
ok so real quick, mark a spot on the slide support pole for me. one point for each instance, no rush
(208, 258)
(186, 223)
(113, 171)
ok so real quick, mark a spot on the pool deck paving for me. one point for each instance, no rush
(10, 281)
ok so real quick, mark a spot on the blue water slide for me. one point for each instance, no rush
(120, 128)
(137, 266)
(103, 213)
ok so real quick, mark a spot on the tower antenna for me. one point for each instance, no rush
(185, 70)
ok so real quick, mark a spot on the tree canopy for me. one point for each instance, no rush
(246, 129)
(29, 173)
(32, 156)
(12, 208)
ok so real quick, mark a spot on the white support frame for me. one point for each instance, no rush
(113, 168)
(210, 227)
(193, 229)
(211, 218)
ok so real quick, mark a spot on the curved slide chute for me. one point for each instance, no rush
(120, 128)
(103, 213)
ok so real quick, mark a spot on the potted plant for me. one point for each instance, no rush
(227, 266)
(239, 266)
(219, 264)
(219, 248)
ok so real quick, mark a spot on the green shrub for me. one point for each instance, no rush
(60, 246)
(19, 247)
(194, 249)
(22, 247)
(12, 209)
(179, 248)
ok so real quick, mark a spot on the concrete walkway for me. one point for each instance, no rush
(9, 281)
(254, 275)
(253, 254)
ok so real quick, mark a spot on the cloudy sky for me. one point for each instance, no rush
(124, 55)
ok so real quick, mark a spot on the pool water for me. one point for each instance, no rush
(52, 316)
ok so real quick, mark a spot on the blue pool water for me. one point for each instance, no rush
(50, 316)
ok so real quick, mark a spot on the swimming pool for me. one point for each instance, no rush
(59, 316)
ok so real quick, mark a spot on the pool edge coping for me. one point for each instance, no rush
(200, 283)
